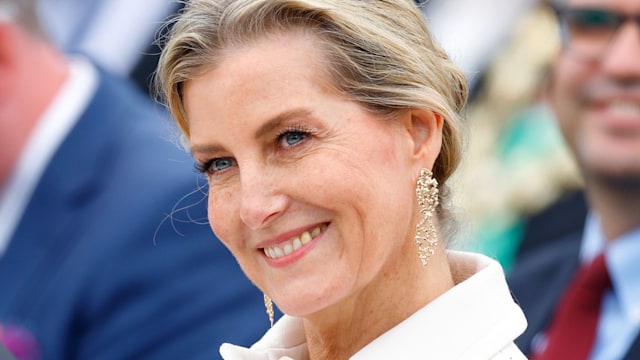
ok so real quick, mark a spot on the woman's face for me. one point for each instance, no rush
(312, 194)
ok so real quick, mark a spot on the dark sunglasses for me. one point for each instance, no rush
(587, 31)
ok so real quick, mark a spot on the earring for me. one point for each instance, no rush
(268, 304)
(426, 236)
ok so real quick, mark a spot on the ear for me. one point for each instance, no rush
(425, 128)
(8, 52)
(7, 40)
(7, 59)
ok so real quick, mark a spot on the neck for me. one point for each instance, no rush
(342, 330)
(616, 203)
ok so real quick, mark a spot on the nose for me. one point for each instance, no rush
(622, 59)
(262, 201)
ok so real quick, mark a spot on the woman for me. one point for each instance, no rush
(317, 124)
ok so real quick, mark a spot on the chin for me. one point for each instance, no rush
(620, 179)
(307, 305)
(610, 162)
(302, 310)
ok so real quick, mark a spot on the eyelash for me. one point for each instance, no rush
(205, 168)
(296, 129)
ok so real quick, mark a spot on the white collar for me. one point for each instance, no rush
(52, 128)
(621, 255)
(473, 320)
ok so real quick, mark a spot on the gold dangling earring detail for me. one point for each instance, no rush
(426, 235)
(268, 304)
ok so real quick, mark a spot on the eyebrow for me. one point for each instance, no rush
(273, 123)
(277, 120)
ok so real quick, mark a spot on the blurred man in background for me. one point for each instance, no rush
(581, 293)
(103, 254)
(116, 34)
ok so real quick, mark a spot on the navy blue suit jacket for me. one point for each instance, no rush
(96, 269)
(538, 281)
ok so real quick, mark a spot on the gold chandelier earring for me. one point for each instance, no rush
(426, 235)
(268, 304)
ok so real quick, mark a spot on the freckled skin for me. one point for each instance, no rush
(335, 176)
(354, 171)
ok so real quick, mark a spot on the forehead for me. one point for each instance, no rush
(256, 81)
(280, 51)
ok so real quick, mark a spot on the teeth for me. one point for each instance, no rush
(625, 108)
(287, 247)
(315, 232)
(306, 237)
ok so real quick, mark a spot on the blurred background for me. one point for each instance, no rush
(516, 162)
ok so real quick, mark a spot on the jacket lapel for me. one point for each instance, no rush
(634, 351)
(546, 270)
(52, 218)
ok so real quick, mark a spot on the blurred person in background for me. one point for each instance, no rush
(517, 161)
(514, 138)
(103, 254)
(116, 34)
(581, 292)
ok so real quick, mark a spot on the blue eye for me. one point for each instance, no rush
(291, 138)
(215, 165)
(220, 164)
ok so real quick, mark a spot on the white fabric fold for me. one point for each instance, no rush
(476, 319)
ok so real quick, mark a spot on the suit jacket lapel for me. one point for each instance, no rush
(48, 227)
(546, 270)
(634, 351)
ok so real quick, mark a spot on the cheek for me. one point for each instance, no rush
(572, 75)
(570, 79)
(221, 215)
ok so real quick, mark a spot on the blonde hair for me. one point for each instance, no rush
(379, 53)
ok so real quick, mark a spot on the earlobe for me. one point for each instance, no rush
(426, 133)
(8, 57)
(7, 43)
(4, 60)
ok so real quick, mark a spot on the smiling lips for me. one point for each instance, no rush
(287, 247)
(621, 115)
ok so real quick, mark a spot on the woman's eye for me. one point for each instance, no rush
(214, 166)
(220, 164)
(291, 138)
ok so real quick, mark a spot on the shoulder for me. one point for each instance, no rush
(538, 279)
(547, 261)
(544, 272)
(562, 218)
(143, 196)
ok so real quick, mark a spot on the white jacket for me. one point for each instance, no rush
(477, 319)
